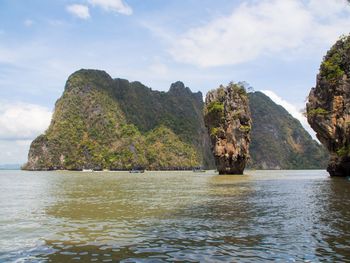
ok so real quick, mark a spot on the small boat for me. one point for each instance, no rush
(136, 171)
(87, 170)
(198, 170)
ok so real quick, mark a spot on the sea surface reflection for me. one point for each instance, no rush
(284, 216)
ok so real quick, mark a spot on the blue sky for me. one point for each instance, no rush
(275, 45)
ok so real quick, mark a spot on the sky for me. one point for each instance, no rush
(274, 45)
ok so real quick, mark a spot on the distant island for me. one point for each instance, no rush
(279, 141)
(10, 166)
(104, 123)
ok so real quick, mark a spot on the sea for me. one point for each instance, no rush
(261, 216)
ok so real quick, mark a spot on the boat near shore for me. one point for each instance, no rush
(198, 170)
(136, 171)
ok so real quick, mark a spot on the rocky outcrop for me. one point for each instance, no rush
(227, 117)
(328, 107)
(104, 123)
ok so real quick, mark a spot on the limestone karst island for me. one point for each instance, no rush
(103, 123)
(156, 131)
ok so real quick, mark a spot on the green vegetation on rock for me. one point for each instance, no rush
(317, 112)
(166, 151)
(216, 108)
(215, 113)
(279, 141)
(344, 151)
(330, 68)
(245, 128)
(93, 128)
(238, 88)
(337, 61)
(214, 131)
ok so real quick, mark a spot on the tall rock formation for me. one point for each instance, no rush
(100, 122)
(105, 123)
(328, 107)
(227, 117)
(279, 141)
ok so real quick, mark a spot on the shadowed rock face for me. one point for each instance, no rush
(328, 107)
(227, 117)
(278, 140)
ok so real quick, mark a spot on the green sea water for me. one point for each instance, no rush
(282, 216)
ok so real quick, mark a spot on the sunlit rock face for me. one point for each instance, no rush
(328, 107)
(227, 117)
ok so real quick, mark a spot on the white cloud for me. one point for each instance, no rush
(113, 5)
(260, 28)
(294, 111)
(14, 152)
(80, 11)
(28, 22)
(22, 121)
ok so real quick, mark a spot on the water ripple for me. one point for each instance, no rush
(282, 216)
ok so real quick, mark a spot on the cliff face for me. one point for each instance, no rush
(178, 109)
(279, 141)
(105, 123)
(328, 107)
(228, 120)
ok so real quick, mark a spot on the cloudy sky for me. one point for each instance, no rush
(275, 45)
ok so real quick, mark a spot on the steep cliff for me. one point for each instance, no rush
(105, 123)
(228, 120)
(178, 109)
(328, 107)
(279, 141)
